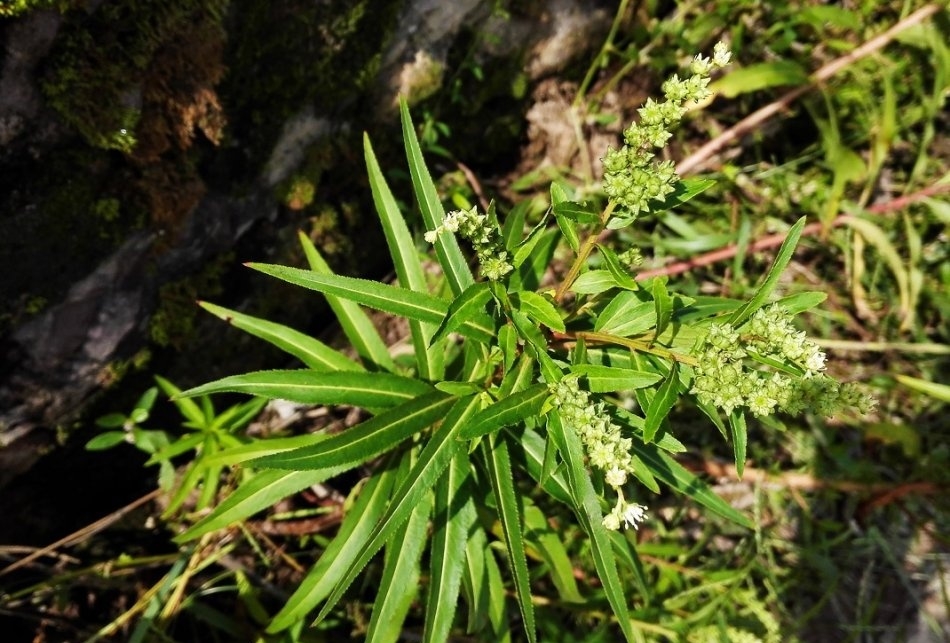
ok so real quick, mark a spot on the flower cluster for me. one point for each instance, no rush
(605, 446)
(729, 373)
(632, 178)
(484, 237)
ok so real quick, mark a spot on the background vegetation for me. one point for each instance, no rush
(852, 518)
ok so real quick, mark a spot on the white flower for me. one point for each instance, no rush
(631, 514)
(431, 236)
(634, 514)
(721, 54)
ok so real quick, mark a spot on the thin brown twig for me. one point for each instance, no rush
(81, 534)
(698, 159)
(774, 240)
(475, 184)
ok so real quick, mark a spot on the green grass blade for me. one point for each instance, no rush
(450, 256)
(390, 299)
(400, 581)
(257, 494)
(454, 517)
(405, 261)
(353, 320)
(672, 473)
(510, 410)
(761, 295)
(367, 439)
(367, 390)
(342, 550)
(498, 464)
(312, 352)
(415, 486)
(587, 507)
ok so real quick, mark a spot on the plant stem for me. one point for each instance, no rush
(599, 59)
(584, 253)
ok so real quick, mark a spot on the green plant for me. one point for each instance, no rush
(516, 385)
(208, 433)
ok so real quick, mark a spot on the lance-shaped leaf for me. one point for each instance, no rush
(368, 390)
(538, 309)
(355, 323)
(367, 439)
(626, 315)
(510, 410)
(390, 299)
(619, 272)
(498, 464)
(586, 505)
(594, 282)
(406, 263)
(607, 379)
(342, 550)
(467, 307)
(400, 580)
(451, 259)
(672, 473)
(312, 352)
(761, 295)
(257, 494)
(661, 404)
(435, 456)
(454, 517)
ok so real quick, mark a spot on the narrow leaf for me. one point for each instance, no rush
(450, 256)
(400, 581)
(671, 473)
(353, 320)
(539, 309)
(454, 517)
(784, 255)
(312, 352)
(467, 307)
(405, 261)
(365, 440)
(353, 533)
(415, 485)
(608, 379)
(586, 505)
(367, 390)
(390, 299)
(510, 410)
(661, 404)
(498, 463)
(256, 494)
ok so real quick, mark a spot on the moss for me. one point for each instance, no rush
(95, 71)
(11, 8)
(173, 323)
